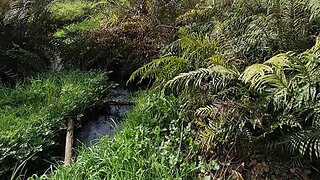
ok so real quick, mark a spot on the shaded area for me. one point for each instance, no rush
(106, 120)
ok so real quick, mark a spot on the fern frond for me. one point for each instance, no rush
(254, 73)
(153, 68)
(20, 11)
(314, 6)
(191, 16)
(208, 111)
(225, 122)
(280, 60)
(306, 143)
(217, 75)
(194, 48)
(217, 60)
(284, 121)
(270, 73)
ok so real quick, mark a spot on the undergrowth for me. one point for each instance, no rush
(32, 115)
(154, 144)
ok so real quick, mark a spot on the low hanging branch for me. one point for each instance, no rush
(69, 142)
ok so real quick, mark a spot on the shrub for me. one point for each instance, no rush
(24, 29)
(288, 84)
(114, 46)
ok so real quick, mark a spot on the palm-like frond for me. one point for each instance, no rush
(306, 143)
(192, 51)
(253, 74)
(290, 82)
(208, 111)
(195, 48)
(315, 8)
(286, 76)
(155, 67)
(271, 73)
(217, 75)
(19, 11)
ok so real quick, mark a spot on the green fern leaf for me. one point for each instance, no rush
(217, 75)
(152, 69)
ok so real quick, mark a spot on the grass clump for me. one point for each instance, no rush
(32, 115)
(87, 24)
(154, 144)
(70, 10)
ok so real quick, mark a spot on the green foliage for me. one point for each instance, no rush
(289, 82)
(214, 44)
(32, 115)
(86, 25)
(152, 145)
(18, 63)
(23, 30)
(226, 28)
(314, 5)
(216, 75)
(165, 67)
(209, 44)
(70, 10)
(256, 30)
(121, 46)
(190, 52)
(225, 126)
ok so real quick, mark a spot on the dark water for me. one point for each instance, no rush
(108, 121)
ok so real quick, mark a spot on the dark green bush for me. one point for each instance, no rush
(24, 49)
(119, 47)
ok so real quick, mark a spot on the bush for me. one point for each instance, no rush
(120, 47)
(24, 29)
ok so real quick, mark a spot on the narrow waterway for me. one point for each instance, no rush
(107, 120)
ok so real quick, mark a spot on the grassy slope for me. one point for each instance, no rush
(31, 116)
(143, 150)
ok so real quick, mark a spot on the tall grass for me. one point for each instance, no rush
(151, 146)
(32, 115)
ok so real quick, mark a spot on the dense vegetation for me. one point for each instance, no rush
(140, 151)
(233, 86)
(33, 115)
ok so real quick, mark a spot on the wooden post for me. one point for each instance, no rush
(69, 142)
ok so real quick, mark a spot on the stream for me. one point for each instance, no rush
(107, 121)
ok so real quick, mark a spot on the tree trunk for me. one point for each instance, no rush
(69, 142)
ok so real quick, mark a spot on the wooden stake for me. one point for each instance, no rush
(69, 142)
